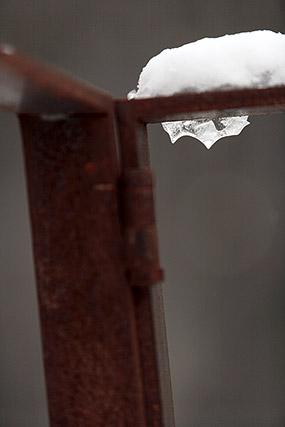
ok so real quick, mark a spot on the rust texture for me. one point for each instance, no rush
(142, 259)
(88, 327)
(207, 104)
(136, 167)
(31, 87)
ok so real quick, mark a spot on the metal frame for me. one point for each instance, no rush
(95, 239)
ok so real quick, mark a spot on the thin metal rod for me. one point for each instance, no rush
(148, 301)
(206, 104)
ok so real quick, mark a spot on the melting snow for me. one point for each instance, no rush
(254, 59)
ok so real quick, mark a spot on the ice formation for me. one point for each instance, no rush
(254, 59)
(206, 131)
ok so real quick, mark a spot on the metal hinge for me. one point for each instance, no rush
(140, 232)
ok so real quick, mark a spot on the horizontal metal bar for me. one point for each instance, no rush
(206, 104)
(31, 86)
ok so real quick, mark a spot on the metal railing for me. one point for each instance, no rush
(95, 239)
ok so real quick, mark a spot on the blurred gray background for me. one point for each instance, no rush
(221, 216)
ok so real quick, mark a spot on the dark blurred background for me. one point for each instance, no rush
(221, 216)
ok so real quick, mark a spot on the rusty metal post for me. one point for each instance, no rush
(89, 338)
(88, 331)
(145, 275)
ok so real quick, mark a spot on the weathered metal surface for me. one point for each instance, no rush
(149, 313)
(98, 334)
(206, 104)
(142, 260)
(92, 365)
(32, 87)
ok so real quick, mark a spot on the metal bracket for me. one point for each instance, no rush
(142, 259)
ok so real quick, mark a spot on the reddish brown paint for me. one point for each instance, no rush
(142, 260)
(206, 104)
(90, 168)
(87, 315)
(138, 182)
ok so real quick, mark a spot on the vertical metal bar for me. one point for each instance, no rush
(87, 319)
(148, 301)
